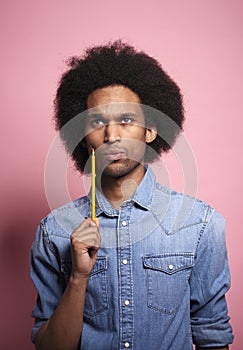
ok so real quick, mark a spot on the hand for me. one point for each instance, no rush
(85, 243)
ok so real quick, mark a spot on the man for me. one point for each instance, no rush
(151, 271)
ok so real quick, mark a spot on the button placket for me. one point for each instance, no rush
(125, 276)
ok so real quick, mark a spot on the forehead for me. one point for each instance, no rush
(111, 94)
(113, 99)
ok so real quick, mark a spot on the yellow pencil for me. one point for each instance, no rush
(93, 184)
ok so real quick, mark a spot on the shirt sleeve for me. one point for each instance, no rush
(209, 282)
(47, 277)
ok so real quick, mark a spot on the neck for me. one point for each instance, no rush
(118, 189)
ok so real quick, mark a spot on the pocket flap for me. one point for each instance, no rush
(99, 266)
(169, 263)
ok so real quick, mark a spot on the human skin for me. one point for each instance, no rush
(85, 240)
(64, 328)
(116, 130)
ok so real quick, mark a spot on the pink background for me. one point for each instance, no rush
(198, 42)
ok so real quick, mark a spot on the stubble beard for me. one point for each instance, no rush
(120, 168)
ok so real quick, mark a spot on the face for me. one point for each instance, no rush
(115, 128)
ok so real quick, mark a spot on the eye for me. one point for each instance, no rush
(97, 123)
(126, 120)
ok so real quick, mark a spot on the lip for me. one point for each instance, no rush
(112, 156)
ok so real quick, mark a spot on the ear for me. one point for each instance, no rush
(150, 134)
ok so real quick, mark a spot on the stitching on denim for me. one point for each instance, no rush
(46, 236)
(208, 215)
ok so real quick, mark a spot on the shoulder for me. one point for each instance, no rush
(63, 220)
(185, 209)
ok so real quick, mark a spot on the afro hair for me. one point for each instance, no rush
(118, 63)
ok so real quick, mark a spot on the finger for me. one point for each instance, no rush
(97, 222)
(87, 231)
(87, 236)
(82, 248)
(86, 224)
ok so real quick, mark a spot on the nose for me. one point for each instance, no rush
(112, 132)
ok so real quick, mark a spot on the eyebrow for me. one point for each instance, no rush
(118, 115)
(95, 115)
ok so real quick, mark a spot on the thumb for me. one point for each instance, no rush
(97, 222)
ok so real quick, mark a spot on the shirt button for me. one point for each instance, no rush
(124, 223)
(127, 345)
(126, 302)
(124, 261)
(171, 267)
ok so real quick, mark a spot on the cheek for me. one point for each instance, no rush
(94, 138)
(139, 139)
(137, 149)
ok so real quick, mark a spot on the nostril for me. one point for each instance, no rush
(112, 139)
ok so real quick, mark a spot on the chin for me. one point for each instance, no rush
(116, 169)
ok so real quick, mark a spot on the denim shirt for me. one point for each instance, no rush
(160, 278)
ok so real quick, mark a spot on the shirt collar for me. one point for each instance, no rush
(142, 197)
(144, 193)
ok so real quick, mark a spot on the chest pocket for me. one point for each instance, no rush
(167, 279)
(96, 298)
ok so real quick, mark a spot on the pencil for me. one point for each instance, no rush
(93, 184)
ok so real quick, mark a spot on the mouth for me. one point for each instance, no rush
(113, 156)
